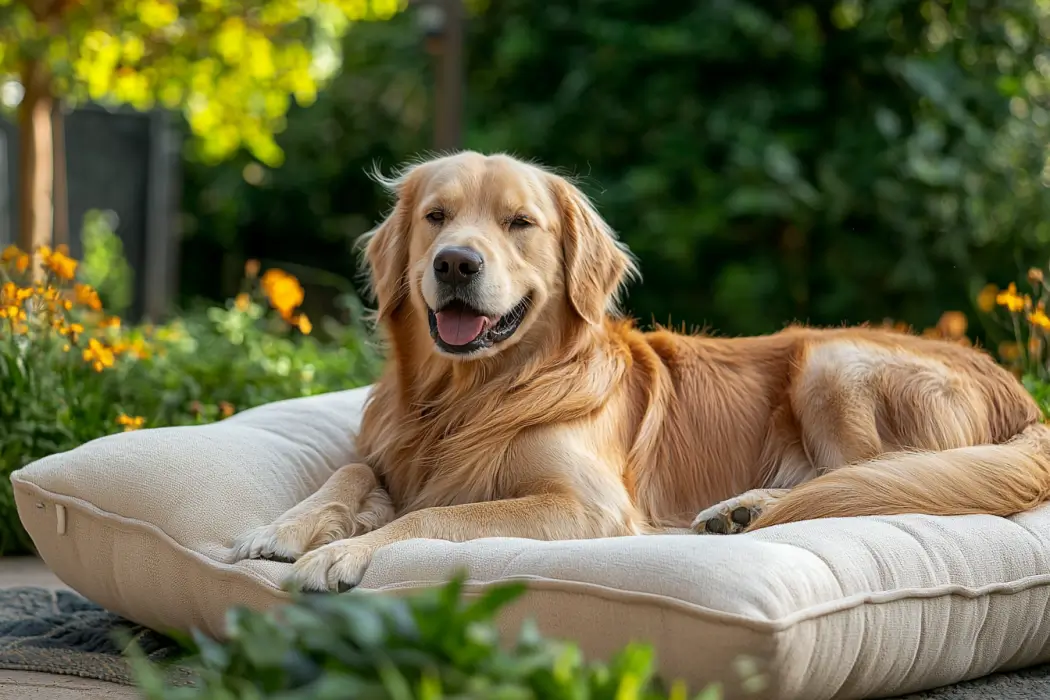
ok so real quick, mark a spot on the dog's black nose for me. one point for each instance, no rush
(457, 265)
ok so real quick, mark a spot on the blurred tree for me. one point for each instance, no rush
(231, 66)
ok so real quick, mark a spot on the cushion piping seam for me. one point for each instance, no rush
(812, 612)
(136, 524)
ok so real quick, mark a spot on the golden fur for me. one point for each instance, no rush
(581, 425)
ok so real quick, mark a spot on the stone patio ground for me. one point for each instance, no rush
(24, 685)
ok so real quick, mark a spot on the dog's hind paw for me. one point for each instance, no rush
(735, 515)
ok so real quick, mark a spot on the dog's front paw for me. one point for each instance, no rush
(337, 567)
(733, 516)
(307, 527)
(278, 541)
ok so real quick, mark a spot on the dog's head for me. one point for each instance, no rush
(490, 251)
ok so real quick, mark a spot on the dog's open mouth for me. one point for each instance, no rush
(458, 328)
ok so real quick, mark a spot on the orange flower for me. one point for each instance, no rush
(59, 262)
(226, 408)
(85, 295)
(283, 290)
(12, 254)
(109, 322)
(13, 295)
(242, 302)
(98, 355)
(1039, 318)
(13, 313)
(304, 324)
(1011, 300)
(251, 269)
(130, 422)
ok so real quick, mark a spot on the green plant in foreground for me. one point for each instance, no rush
(430, 645)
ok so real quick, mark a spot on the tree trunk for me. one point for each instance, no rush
(36, 159)
(61, 178)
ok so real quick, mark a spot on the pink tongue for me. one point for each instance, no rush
(459, 327)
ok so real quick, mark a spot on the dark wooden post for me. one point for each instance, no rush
(442, 22)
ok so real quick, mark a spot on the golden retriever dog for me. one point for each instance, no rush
(517, 403)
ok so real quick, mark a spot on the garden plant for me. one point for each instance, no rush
(70, 372)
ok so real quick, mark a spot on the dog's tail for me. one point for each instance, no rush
(1002, 479)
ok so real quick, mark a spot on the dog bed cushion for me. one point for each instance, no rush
(141, 523)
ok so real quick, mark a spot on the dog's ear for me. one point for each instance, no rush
(596, 263)
(386, 247)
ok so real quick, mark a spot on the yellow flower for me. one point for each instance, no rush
(1039, 318)
(283, 290)
(304, 324)
(12, 294)
(12, 254)
(13, 313)
(130, 422)
(986, 300)
(1011, 300)
(85, 295)
(109, 322)
(65, 348)
(98, 355)
(59, 262)
(242, 302)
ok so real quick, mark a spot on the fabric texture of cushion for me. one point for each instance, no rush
(140, 523)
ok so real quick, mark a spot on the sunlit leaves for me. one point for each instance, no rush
(231, 67)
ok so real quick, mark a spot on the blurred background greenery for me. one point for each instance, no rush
(768, 161)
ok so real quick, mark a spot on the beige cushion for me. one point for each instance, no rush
(140, 522)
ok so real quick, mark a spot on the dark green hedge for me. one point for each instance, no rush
(767, 160)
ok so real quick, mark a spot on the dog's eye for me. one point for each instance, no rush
(520, 221)
(436, 217)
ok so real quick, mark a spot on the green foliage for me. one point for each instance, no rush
(430, 645)
(232, 67)
(104, 266)
(1040, 391)
(767, 160)
(822, 161)
(311, 209)
(68, 376)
